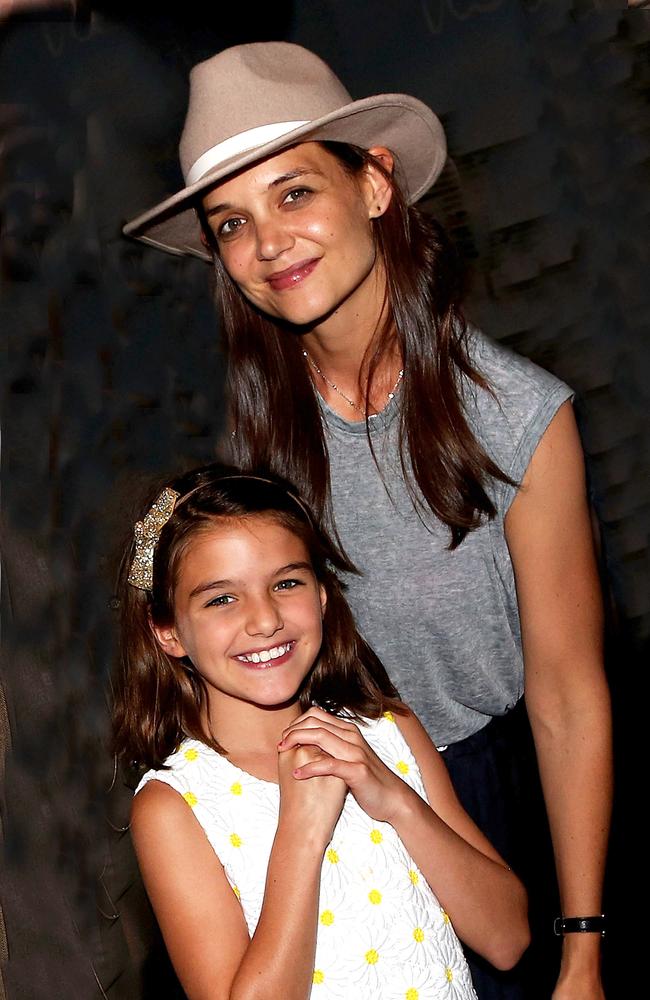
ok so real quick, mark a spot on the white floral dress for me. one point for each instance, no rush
(382, 934)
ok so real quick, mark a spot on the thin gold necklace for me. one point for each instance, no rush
(350, 402)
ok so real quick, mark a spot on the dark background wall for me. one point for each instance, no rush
(112, 370)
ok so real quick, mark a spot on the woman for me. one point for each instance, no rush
(450, 470)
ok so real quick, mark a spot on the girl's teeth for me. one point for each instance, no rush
(266, 654)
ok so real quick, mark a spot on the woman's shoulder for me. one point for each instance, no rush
(510, 415)
(516, 383)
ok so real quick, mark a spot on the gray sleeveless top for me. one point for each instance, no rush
(444, 623)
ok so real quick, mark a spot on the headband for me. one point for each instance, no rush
(147, 531)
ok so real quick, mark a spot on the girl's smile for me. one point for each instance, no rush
(248, 612)
(262, 659)
(299, 223)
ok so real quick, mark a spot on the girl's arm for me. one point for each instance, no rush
(199, 915)
(485, 900)
(548, 530)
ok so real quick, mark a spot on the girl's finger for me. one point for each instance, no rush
(319, 715)
(326, 767)
(328, 741)
(324, 722)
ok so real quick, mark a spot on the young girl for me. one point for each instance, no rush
(296, 830)
(449, 469)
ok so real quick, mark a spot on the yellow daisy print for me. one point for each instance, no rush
(327, 918)
(190, 798)
(375, 897)
(445, 915)
(236, 892)
(191, 754)
(235, 788)
(318, 977)
(235, 840)
(449, 974)
(412, 994)
(389, 716)
(418, 935)
(332, 856)
(372, 956)
(402, 767)
(376, 836)
(414, 877)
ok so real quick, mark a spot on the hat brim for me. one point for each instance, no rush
(403, 124)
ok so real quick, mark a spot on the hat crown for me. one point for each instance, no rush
(249, 86)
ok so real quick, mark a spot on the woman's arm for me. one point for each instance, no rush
(548, 530)
(199, 915)
(485, 900)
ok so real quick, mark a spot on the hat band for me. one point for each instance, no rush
(239, 143)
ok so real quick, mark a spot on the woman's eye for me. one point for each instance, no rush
(295, 195)
(221, 601)
(230, 227)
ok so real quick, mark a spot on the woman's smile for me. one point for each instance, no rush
(293, 275)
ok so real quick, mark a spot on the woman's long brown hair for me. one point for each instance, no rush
(274, 407)
(158, 700)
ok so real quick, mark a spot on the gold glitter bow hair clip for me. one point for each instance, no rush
(147, 533)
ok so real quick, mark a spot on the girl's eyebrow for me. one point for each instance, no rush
(282, 179)
(290, 567)
(212, 585)
(202, 588)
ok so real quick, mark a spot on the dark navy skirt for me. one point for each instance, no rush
(495, 776)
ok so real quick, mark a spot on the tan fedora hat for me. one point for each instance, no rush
(251, 101)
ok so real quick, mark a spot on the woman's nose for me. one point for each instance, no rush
(272, 239)
(264, 617)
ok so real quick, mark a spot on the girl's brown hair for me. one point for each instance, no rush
(158, 699)
(275, 411)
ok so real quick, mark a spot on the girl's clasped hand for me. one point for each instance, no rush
(345, 754)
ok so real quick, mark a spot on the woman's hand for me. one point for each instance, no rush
(345, 754)
(313, 806)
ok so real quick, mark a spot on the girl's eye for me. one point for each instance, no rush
(296, 195)
(230, 227)
(288, 584)
(220, 602)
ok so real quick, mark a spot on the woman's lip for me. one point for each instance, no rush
(292, 276)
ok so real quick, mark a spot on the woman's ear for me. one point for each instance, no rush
(168, 640)
(378, 188)
(323, 597)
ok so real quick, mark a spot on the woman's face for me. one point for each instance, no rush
(294, 233)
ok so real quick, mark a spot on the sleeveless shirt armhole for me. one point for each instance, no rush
(533, 433)
(170, 778)
(402, 759)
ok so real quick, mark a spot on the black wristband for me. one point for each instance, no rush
(580, 925)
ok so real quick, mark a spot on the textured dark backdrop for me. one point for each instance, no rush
(112, 368)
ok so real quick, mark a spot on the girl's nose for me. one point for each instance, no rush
(272, 239)
(264, 618)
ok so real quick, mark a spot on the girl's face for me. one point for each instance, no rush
(248, 612)
(294, 233)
